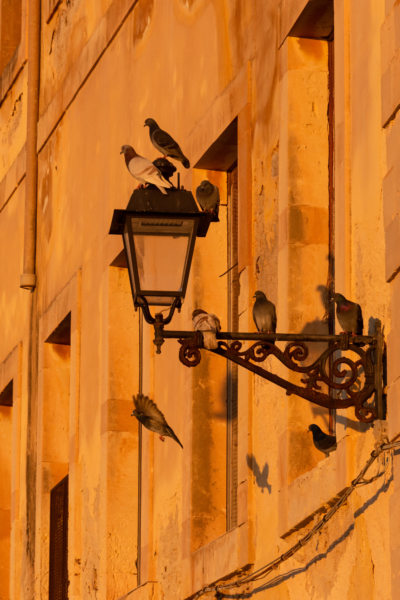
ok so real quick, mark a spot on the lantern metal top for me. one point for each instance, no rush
(174, 204)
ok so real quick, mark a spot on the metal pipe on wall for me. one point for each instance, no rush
(28, 281)
(28, 276)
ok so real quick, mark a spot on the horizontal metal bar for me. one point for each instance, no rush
(273, 337)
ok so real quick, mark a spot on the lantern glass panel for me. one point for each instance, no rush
(160, 261)
(162, 251)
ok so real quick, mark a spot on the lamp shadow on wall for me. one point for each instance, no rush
(293, 572)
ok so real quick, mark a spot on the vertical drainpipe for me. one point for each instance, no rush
(28, 281)
(28, 276)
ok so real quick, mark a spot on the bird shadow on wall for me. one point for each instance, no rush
(293, 572)
(261, 475)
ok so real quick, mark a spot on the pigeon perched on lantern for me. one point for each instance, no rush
(264, 313)
(209, 325)
(143, 170)
(166, 168)
(165, 143)
(151, 417)
(322, 441)
(349, 315)
(207, 195)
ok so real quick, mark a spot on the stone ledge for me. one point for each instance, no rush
(305, 496)
(147, 591)
(390, 63)
(392, 248)
(79, 72)
(219, 114)
(391, 193)
(13, 178)
(290, 10)
(14, 68)
(391, 89)
(220, 558)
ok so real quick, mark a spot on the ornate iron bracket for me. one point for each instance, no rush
(349, 380)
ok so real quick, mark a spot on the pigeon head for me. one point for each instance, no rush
(150, 123)
(260, 295)
(205, 187)
(315, 429)
(128, 151)
(198, 311)
(339, 298)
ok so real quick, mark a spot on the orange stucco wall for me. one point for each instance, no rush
(195, 66)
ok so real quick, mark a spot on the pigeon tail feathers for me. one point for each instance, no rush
(210, 340)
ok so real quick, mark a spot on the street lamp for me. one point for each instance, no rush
(159, 233)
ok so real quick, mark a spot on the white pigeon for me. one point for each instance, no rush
(208, 324)
(143, 170)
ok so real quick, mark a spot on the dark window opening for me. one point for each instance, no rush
(315, 22)
(58, 576)
(6, 396)
(120, 260)
(62, 333)
(222, 154)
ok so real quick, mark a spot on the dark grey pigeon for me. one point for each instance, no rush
(322, 441)
(207, 195)
(164, 143)
(264, 313)
(151, 417)
(166, 168)
(349, 315)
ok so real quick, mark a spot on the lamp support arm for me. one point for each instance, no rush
(350, 367)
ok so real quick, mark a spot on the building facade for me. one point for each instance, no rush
(290, 107)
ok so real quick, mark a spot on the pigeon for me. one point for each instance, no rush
(322, 441)
(349, 315)
(164, 143)
(151, 417)
(208, 324)
(264, 313)
(166, 168)
(207, 195)
(143, 169)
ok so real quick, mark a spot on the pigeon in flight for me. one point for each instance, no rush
(143, 169)
(151, 417)
(264, 313)
(322, 441)
(208, 324)
(164, 143)
(207, 195)
(349, 315)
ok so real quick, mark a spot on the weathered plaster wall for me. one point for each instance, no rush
(195, 65)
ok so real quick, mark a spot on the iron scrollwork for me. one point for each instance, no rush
(351, 380)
